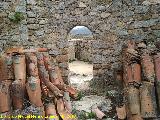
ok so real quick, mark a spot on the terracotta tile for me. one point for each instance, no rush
(5, 99)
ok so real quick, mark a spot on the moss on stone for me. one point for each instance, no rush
(16, 17)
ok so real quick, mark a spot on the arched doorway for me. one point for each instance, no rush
(80, 52)
(80, 40)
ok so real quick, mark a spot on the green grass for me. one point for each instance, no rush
(80, 95)
(16, 17)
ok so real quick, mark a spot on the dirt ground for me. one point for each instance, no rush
(81, 67)
(81, 73)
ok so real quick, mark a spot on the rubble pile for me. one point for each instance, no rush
(31, 85)
(138, 82)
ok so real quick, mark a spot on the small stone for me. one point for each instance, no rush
(23, 29)
(22, 2)
(15, 38)
(4, 5)
(62, 44)
(3, 14)
(21, 9)
(24, 37)
(122, 32)
(62, 58)
(31, 14)
(150, 2)
(156, 33)
(141, 9)
(147, 23)
(92, 13)
(53, 52)
(64, 72)
(32, 2)
(155, 27)
(42, 22)
(97, 58)
(105, 15)
(33, 26)
(82, 5)
(127, 13)
(39, 33)
(31, 20)
(63, 65)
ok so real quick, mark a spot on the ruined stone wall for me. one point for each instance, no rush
(80, 50)
(71, 51)
(48, 22)
(84, 50)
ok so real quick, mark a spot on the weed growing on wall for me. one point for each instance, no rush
(16, 17)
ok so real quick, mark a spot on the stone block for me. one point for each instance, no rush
(127, 13)
(32, 2)
(21, 9)
(82, 5)
(33, 26)
(156, 27)
(64, 72)
(31, 14)
(156, 33)
(64, 51)
(105, 15)
(147, 23)
(63, 65)
(97, 58)
(141, 9)
(62, 58)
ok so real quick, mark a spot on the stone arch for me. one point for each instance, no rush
(79, 25)
(83, 46)
(70, 26)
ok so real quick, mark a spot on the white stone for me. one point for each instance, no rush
(105, 15)
(82, 5)
(42, 22)
(32, 2)
(21, 9)
(31, 14)
(149, 2)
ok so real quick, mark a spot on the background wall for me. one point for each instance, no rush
(80, 50)
(71, 50)
(48, 22)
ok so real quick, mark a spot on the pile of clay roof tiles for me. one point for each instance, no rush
(139, 83)
(31, 85)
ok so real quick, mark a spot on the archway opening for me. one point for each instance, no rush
(80, 52)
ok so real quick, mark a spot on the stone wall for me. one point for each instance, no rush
(80, 50)
(48, 22)
(71, 50)
(84, 50)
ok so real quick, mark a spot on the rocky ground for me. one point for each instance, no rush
(81, 74)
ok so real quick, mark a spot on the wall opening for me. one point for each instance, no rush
(80, 40)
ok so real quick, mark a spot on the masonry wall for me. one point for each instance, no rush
(71, 50)
(80, 50)
(47, 24)
(84, 50)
